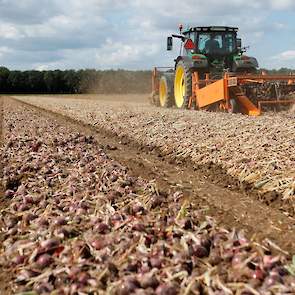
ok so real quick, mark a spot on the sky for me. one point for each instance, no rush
(131, 34)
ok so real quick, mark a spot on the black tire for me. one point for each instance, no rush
(166, 90)
(154, 99)
(183, 78)
(234, 106)
(245, 71)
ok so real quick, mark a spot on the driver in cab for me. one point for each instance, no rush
(212, 45)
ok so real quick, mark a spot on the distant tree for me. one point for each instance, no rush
(72, 80)
(17, 82)
(54, 81)
(49, 81)
(35, 81)
(4, 74)
(279, 71)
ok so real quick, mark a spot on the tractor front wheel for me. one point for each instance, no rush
(182, 85)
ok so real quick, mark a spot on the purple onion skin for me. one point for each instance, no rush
(28, 200)
(23, 207)
(156, 262)
(60, 221)
(43, 222)
(44, 261)
(126, 288)
(9, 193)
(29, 217)
(83, 278)
(200, 251)
(102, 228)
(98, 244)
(137, 208)
(50, 244)
(139, 227)
(272, 280)
(166, 289)
(20, 259)
(258, 274)
(149, 281)
(44, 288)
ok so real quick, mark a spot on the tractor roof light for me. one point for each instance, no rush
(223, 29)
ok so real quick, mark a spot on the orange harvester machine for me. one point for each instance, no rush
(207, 92)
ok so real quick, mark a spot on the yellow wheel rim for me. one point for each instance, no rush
(163, 93)
(179, 87)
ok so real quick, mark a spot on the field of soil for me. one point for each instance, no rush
(109, 195)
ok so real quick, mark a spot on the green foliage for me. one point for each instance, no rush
(4, 73)
(72, 82)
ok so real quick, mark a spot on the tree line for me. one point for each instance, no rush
(281, 71)
(81, 81)
(74, 82)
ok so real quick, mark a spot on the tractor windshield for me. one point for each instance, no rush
(216, 43)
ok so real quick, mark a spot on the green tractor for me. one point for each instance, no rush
(210, 50)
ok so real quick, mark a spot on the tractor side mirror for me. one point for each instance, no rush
(169, 43)
(239, 43)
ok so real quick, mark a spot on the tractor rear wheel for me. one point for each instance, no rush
(166, 98)
(182, 85)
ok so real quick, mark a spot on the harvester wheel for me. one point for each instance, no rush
(154, 99)
(234, 106)
(182, 85)
(166, 99)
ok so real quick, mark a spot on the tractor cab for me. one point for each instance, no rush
(214, 49)
(212, 40)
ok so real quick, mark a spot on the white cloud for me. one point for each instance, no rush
(9, 31)
(282, 4)
(288, 55)
(41, 67)
(3, 50)
(115, 54)
(285, 59)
